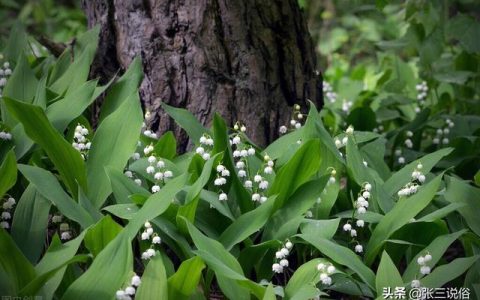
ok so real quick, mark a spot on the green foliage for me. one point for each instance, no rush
(372, 192)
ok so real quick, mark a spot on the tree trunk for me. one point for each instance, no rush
(248, 60)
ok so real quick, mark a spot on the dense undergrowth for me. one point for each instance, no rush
(376, 193)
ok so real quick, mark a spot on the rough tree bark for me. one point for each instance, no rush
(248, 60)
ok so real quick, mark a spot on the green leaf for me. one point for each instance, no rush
(166, 147)
(77, 72)
(461, 192)
(342, 256)
(8, 169)
(387, 274)
(464, 29)
(436, 249)
(123, 187)
(154, 281)
(296, 205)
(102, 233)
(107, 274)
(118, 132)
(446, 273)
(306, 275)
(21, 85)
(48, 186)
(401, 214)
(323, 228)
(33, 287)
(184, 282)
(247, 224)
(30, 223)
(123, 88)
(15, 270)
(66, 159)
(303, 165)
(187, 121)
(220, 260)
(63, 111)
(17, 41)
(404, 175)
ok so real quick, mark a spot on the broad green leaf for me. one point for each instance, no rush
(277, 148)
(123, 88)
(154, 281)
(461, 192)
(221, 261)
(323, 228)
(123, 187)
(278, 226)
(446, 273)
(436, 249)
(66, 159)
(187, 121)
(124, 211)
(197, 187)
(441, 212)
(464, 29)
(306, 275)
(30, 223)
(342, 256)
(57, 255)
(401, 214)
(327, 200)
(269, 293)
(155, 205)
(15, 270)
(48, 186)
(8, 171)
(34, 286)
(184, 282)
(107, 274)
(113, 144)
(21, 85)
(301, 167)
(247, 224)
(387, 274)
(17, 41)
(63, 111)
(166, 147)
(404, 175)
(77, 72)
(102, 233)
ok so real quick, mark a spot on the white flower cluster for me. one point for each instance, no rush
(400, 159)
(422, 262)
(206, 145)
(157, 169)
(222, 172)
(5, 135)
(332, 179)
(349, 131)
(325, 271)
(408, 142)
(281, 257)
(346, 105)
(295, 122)
(148, 132)
(5, 72)
(7, 206)
(65, 233)
(146, 235)
(328, 92)
(422, 90)
(442, 133)
(418, 178)
(57, 219)
(362, 200)
(80, 140)
(130, 290)
(378, 129)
